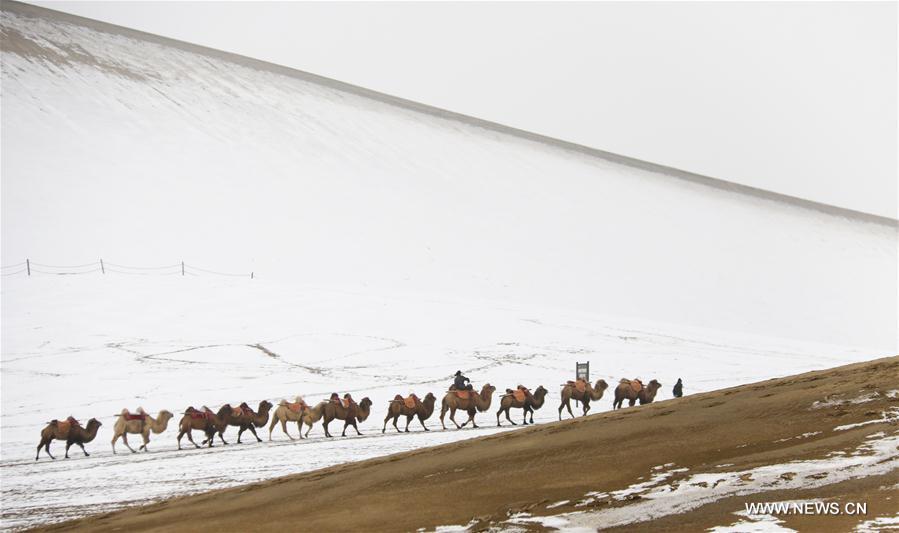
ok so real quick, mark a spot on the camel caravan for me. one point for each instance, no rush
(461, 396)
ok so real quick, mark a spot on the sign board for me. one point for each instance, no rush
(582, 371)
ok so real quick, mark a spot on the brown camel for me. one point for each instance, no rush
(70, 431)
(468, 401)
(244, 418)
(348, 413)
(141, 423)
(633, 391)
(583, 392)
(521, 398)
(289, 412)
(206, 421)
(410, 407)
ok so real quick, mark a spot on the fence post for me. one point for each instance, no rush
(182, 268)
(28, 266)
(102, 268)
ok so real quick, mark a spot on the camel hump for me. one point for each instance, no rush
(625, 381)
(125, 412)
(509, 391)
(398, 398)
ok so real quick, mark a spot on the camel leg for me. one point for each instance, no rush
(252, 429)
(125, 440)
(240, 432)
(386, 418)
(507, 416)
(81, 445)
(68, 444)
(221, 436)
(630, 403)
(190, 437)
(452, 418)
(442, 412)
(325, 423)
(284, 429)
(408, 420)
(356, 427)
(524, 418)
(46, 446)
(271, 427)
(422, 423)
(397, 417)
(531, 411)
(114, 438)
(146, 437)
(307, 431)
(586, 407)
(497, 416)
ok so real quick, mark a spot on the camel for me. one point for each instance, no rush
(311, 416)
(206, 421)
(633, 391)
(70, 431)
(289, 412)
(244, 418)
(583, 392)
(141, 423)
(471, 404)
(399, 407)
(522, 400)
(349, 414)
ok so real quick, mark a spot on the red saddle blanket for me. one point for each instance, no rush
(198, 414)
(580, 385)
(297, 407)
(464, 394)
(636, 385)
(411, 401)
(135, 416)
(237, 412)
(520, 394)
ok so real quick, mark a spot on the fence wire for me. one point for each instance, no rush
(28, 268)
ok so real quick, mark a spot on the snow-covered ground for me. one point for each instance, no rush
(391, 246)
(89, 346)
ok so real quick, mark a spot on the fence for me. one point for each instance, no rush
(30, 268)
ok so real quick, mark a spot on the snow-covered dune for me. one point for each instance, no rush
(392, 244)
(128, 147)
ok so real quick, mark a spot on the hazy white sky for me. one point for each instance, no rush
(798, 98)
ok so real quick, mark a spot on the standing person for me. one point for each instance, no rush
(461, 382)
(678, 390)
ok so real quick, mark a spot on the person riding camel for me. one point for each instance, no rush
(461, 382)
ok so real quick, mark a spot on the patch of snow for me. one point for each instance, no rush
(754, 524)
(834, 401)
(889, 416)
(881, 523)
(875, 456)
(558, 504)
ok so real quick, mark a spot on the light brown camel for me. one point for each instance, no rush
(348, 413)
(142, 424)
(633, 391)
(70, 431)
(289, 412)
(311, 416)
(521, 399)
(206, 421)
(245, 418)
(583, 392)
(472, 403)
(410, 407)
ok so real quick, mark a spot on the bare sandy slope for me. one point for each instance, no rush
(488, 479)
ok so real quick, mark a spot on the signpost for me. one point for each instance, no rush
(582, 371)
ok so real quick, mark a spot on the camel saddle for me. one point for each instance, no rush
(297, 407)
(198, 414)
(135, 416)
(411, 401)
(65, 425)
(519, 394)
(242, 410)
(636, 385)
(580, 385)
(464, 394)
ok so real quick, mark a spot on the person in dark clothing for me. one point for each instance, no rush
(678, 389)
(461, 382)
